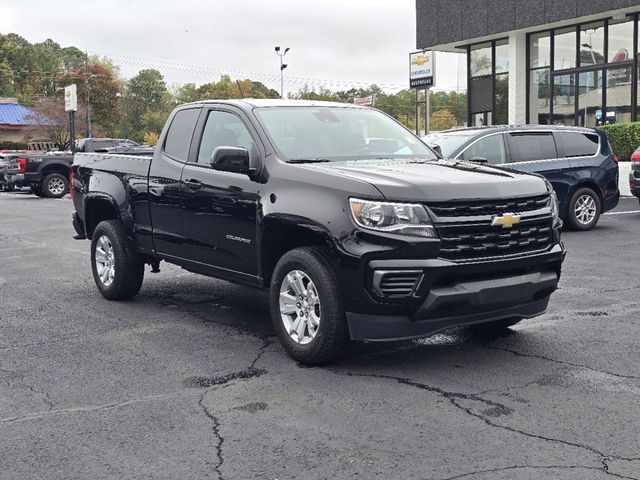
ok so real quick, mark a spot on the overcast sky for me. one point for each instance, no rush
(335, 43)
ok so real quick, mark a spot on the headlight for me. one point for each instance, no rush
(555, 209)
(388, 217)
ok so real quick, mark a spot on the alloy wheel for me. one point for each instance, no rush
(585, 209)
(56, 186)
(300, 307)
(105, 260)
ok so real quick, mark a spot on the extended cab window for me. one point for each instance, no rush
(490, 148)
(223, 129)
(578, 144)
(180, 132)
(528, 147)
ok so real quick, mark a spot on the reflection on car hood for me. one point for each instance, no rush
(441, 180)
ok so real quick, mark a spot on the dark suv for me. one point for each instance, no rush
(579, 162)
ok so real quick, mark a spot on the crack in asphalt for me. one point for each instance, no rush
(248, 373)
(533, 467)
(95, 408)
(560, 362)
(216, 431)
(19, 379)
(455, 397)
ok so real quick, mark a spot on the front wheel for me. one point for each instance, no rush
(306, 308)
(117, 271)
(584, 209)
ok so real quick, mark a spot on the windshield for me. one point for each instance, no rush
(448, 143)
(339, 133)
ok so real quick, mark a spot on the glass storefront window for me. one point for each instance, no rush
(502, 56)
(618, 95)
(620, 41)
(481, 60)
(539, 101)
(501, 110)
(590, 112)
(564, 51)
(540, 48)
(592, 44)
(564, 100)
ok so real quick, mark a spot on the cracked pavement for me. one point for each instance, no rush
(187, 380)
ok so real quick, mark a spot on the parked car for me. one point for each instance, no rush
(634, 174)
(46, 175)
(356, 238)
(579, 162)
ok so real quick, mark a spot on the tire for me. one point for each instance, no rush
(55, 185)
(588, 206)
(109, 250)
(37, 192)
(329, 338)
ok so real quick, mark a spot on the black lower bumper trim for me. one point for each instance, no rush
(364, 327)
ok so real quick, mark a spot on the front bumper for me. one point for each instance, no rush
(453, 294)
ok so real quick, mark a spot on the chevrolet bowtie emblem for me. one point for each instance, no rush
(507, 220)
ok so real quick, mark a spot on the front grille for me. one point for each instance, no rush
(396, 283)
(489, 207)
(475, 241)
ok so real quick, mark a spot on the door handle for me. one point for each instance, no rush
(193, 183)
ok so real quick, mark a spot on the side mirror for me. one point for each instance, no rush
(436, 148)
(479, 160)
(231, 159)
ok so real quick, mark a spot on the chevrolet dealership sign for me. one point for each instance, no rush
(421, 69)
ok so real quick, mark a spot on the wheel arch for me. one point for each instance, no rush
(98, 207)
(60, 168)
(281, 235)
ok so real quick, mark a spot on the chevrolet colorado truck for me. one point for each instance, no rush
(358, 230)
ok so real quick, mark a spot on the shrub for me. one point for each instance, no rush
(624, 138)
(7, 145)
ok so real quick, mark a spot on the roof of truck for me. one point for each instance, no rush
(277, 102)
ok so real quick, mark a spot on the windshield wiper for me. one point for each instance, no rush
(308, 160)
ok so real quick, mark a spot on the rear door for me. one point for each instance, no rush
(165, 205)
(220, 208)
(537, 152)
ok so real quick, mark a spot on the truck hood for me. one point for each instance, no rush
(441, 180)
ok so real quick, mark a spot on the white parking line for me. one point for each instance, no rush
(622, 213)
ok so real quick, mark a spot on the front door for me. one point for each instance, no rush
(220, 208)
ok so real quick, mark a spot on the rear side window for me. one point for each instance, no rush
(528, 147)
(490, 148)
(180, 132)
(578, 144)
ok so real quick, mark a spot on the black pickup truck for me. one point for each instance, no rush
(357, 228)
(47, 175)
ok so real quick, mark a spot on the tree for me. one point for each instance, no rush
(144, 93)
(98, 83)
(49, 116)
(224, 89)
(442, 120)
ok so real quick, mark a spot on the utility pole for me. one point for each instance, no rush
(87, 118)
(282, 67)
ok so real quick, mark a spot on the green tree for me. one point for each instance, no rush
(146, 92)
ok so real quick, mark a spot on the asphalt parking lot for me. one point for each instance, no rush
(187, 380)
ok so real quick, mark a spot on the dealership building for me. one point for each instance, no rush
(570, 62)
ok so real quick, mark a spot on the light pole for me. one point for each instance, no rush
(282, 67)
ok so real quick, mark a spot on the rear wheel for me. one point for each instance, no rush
(584, 209)
(55, 185)
(306, 308)
(117, 271)
(37, 191)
